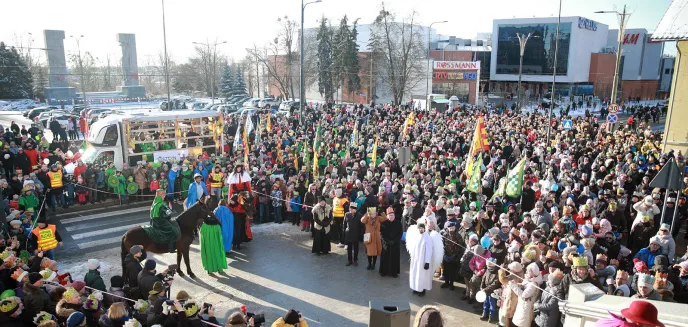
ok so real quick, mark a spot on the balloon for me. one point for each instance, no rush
(46, 161)
(486, 242)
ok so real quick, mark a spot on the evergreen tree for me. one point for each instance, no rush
(239, 84)
(15, 77)
(324, 60)
(353, 81)
(227, 82)
(340, 43)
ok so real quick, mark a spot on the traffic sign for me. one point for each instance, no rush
(612, 118)
(613, 108)
(568, 125)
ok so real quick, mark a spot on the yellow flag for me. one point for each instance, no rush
(129, 136)
(469, 163)
(373, 160)
(269, 124)
(315, 164)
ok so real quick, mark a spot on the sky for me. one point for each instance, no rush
(243, 24)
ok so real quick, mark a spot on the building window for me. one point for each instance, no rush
(538, 58)
(479, 43)
(666, 71)
(467, 43)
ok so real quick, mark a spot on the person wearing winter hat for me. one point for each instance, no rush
(76, 319)
(666, 241)
(510, 298)
(648, 254)
(465, 270)
(527, 291)
(477, 266)
(490, 284)
(116, 288)
(646, 288)
(156, 292)
(547, 305)
(580, 273)
(92, 278)
(35, 296)
(428, 316)
(290, 319)
(237, 319)
(132, 265)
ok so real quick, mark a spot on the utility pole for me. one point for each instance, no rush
(428, 78)
(81, 66)
(554, 79)
(522, 40)
(167, 69)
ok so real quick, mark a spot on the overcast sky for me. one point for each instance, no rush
(245, 23)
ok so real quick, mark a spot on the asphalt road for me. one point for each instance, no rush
(274, 272)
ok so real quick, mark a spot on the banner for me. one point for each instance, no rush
(165, 156)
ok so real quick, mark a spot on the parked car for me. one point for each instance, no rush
(61, 117)
(31, 114)
(265, 102)
(253, 102)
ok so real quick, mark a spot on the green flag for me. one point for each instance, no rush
(318, 138)
(514, 183)
(473, 184)
(500, 189)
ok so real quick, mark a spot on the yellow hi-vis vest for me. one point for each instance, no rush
(338, 207)
(45, 238)
(55, 179)
(216, 180)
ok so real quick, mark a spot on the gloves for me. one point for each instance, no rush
(426, 266)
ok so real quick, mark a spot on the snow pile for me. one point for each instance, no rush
(18, 104)
(107, 270)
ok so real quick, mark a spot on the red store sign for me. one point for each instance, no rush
(456, 65)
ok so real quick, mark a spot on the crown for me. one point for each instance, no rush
(190, 308)
(558, 274)
(48, 275)
(622, 274)
(601, 256)
(141, 306)
(9, 305)
(580, 262)
(69, 294)
(41, 317)
(19, 274)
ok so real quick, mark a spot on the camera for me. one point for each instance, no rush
(207, 306)
(171, 271)
(258, 319)
(169, 302)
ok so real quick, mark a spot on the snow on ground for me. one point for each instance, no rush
(18, 104)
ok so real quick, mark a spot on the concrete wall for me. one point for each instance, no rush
(652, 58)
(676, 128)
(667, 64)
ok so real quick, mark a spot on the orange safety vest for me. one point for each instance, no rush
(338, 204)
(55, 179)
(45, 238)
(216, 180)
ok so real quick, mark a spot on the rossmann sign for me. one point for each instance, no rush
(457, 65)
(587, 24)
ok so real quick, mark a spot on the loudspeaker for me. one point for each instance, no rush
(389, 314)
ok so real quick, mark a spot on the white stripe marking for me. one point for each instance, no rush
(103, 215)
(104, 231)
(94, 225)
(111, 240)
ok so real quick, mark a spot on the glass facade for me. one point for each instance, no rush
(538, 58)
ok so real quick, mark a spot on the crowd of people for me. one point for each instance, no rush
(583, 212)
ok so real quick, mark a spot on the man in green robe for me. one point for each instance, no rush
(109, 171)
(162, 229)
(186, 179)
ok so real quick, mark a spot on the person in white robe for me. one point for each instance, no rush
(426, 250)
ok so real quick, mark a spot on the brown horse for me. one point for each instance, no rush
(188, 221)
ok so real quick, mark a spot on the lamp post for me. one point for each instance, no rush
(554, 77)
(81, 65)
(167, 67)
(623, 19)
(428, 78)
(302, 87)
(522, 40)
(214, 62)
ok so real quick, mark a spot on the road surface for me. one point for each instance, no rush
(274, 272)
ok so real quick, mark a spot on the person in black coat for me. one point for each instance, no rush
(147, 277)
(22, 162)
(528, 197)
(498, 249)
(352, 233)
(390, 232)
(132, 266)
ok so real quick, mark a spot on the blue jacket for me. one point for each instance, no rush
(295, 204)
(201, 170)
(226, 219)
(647, 256)
(193, 197)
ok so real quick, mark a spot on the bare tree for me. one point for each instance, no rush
(285, 41)
(400, 44)
(275, 65)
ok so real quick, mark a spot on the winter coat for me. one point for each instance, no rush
(668, 246)
(280, 323)
(132, 268)
(36, 299)
(146, 279)
(352, 227)
(547, 307)
(509, 298)
(490, 281)
(374, 247)
(498, 252)
(647, 256)
(141, 177)
(465, 270)
(107, 322)
(93, 280)
(527, 296)
(477, 263)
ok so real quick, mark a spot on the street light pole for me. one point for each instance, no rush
(554, 78)
(81, 66)
(522, 40)
(214, 62)
(428, 78)
(167, 67)
(302, 87)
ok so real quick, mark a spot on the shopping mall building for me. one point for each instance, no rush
(585, 59)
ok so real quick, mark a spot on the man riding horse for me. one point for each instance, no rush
(163, 229)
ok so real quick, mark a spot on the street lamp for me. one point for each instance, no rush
(427, 80)
(554, 77)
(167, 68)
(302, 87)
(212, 80)
(81, 65)
(522, 40)
(623, 19)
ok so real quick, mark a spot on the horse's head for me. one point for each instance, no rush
(207, 206)
(249, 207)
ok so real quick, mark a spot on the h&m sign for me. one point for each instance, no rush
(587, 24)
(631, 38)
